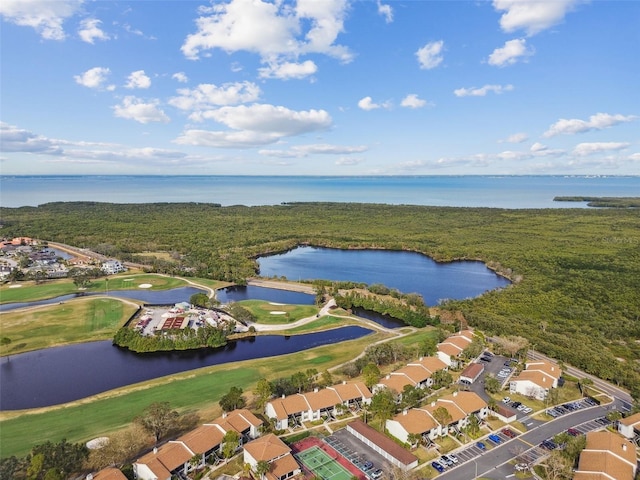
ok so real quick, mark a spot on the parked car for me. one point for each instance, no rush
(444, 460)
(495, 438)
(437, 466)
(573, 432)
(377, 474)
(506, 400)
(516, 404)
(452, 457)
(509, 433)
(527, 410)
(481, 446)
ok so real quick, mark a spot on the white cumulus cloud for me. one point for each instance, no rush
(532, 16)
(583, 149)
(510, 53)
(287, 70)
(367, 104)
(386, 11)
(207, 96)
(44, 16)
(255, 125)
(133, 108)
(180, 77)
(430, 56)
(598, 121)
(413, 101)
(90, 30)
(482, 91)
(14, 139)
(516, 138)
(273, 30)
(94, 78)
(138, 79)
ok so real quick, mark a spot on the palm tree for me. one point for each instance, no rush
(262, 467)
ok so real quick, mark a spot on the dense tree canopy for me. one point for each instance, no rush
(575, 296)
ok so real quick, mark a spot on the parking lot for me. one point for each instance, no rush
(371, 463)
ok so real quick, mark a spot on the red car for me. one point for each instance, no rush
(509, 433)
(573, 432)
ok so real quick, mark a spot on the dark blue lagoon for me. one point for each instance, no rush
(408, 272)
(63, 374)
(250, 292)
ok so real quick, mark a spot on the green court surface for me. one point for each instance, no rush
(322, 465)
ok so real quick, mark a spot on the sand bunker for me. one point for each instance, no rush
(97, 443)
(145, 285)
(274, 303)
(277, 312)
(15, 286)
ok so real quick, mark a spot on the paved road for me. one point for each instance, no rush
(488, 464)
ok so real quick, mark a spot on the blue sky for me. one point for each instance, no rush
(320, 87)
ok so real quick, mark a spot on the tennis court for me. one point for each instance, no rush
(322, 465)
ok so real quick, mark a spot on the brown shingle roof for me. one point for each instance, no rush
(396, 382)
(109, 474)
(416, 421)
(608, 453)
(433, 364)
(267, 448)
(283, 466)
(472, 371)
(322, 399)
(449, 349)
(632, 420)
(535, 376)
(351, 391)
(549, 368)
(203, 438)
(385, 443)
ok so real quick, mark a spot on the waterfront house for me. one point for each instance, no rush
(452, 347)
(417, 374)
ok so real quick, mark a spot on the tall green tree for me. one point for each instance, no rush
(233, 400)
(383, 405)
(158, 419)
(230, 444)
(371, 374)
(264, 390)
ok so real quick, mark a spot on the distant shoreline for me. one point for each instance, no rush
(603, 202)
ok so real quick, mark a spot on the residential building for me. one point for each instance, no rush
(109, 473)
(471, 373)
(417, 374)
(536, 379)
(176, 457)
(275, 452)
(292, 410)
(422, 421)
(111, 267)
(630, 426)
(607, 456)
(452, 347)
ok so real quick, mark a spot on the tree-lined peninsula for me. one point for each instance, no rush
(575, 272)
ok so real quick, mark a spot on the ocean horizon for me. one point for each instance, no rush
(492, 191)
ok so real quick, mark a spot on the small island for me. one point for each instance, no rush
(604, 202)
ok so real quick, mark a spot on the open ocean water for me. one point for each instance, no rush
(454, 191)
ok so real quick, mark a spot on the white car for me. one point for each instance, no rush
(506, 400)
(528, 410)
(521, 408)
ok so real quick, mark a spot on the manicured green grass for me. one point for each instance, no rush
(321, 324)
(79, 320)
(263, 311)
(195, 390)
(81, 422)
(30, 291)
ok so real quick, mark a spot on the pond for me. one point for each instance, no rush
(409, 272)
(63, 374)
(250, 292)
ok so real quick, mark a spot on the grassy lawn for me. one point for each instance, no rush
(29, 291)
(81, 320)
(198, 390)
(321, 324)
(264, 311)
(447, 444)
